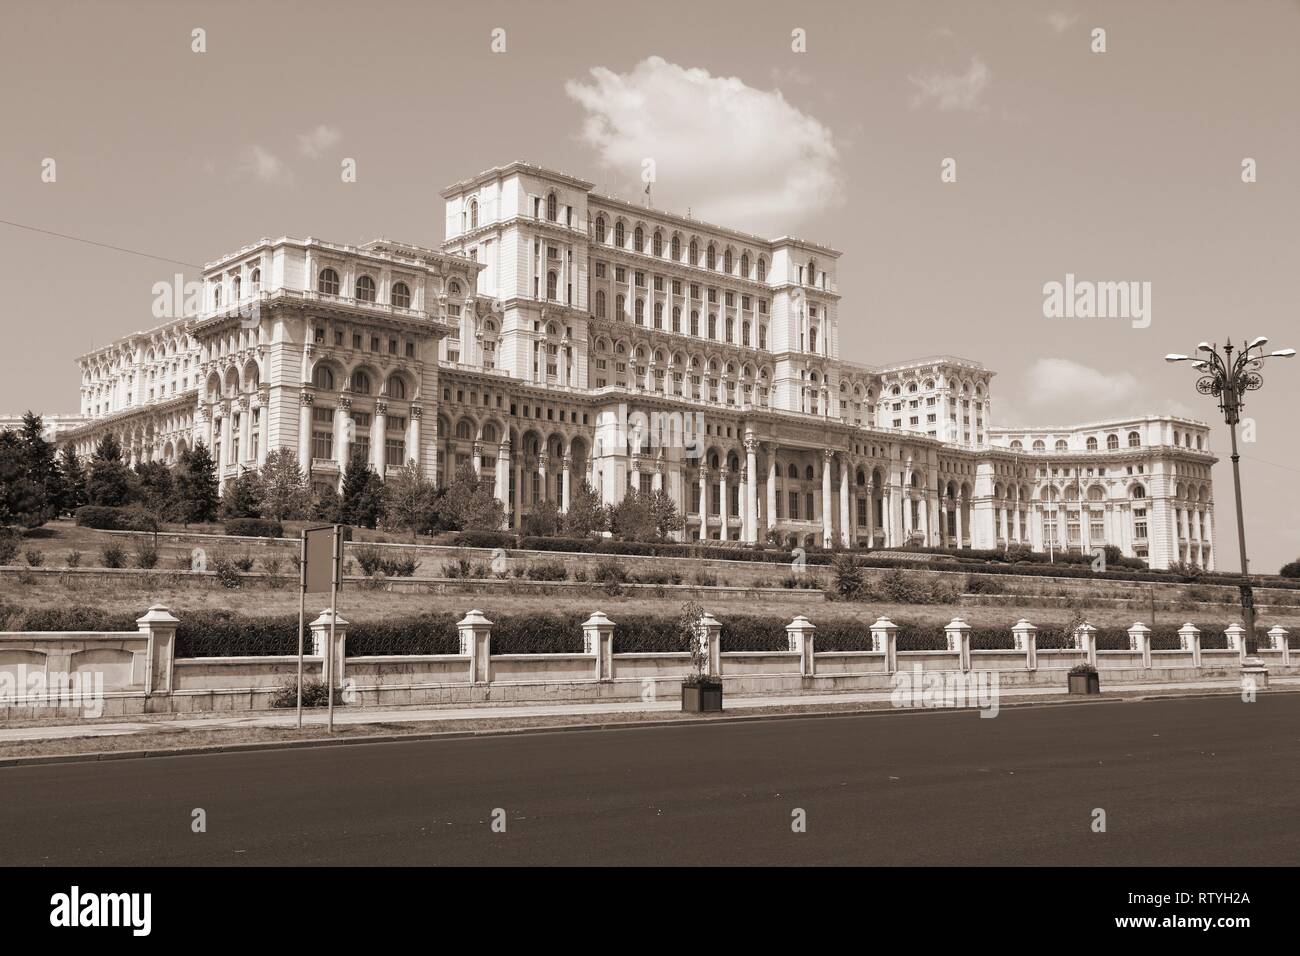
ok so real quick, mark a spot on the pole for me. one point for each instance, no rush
(302, 614)
(1247, 597)
(334, 613)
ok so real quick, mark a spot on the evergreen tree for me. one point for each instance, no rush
(40, 461)
(110, 481)
(285, 495)
(410, 501)
(543, 521)
(242, 498)
(469, 505)
(156, 487)
(586, 515)
(22, 501)
(361, 501)
(326, 505)
(644, 516)
(196, 486)
(72, 481)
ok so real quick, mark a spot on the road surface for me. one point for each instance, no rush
(1181, 782)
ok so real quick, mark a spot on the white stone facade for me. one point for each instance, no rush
(559, 334)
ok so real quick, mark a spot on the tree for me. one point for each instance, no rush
(469, 505)
(410, 501)
(644, 516)
(285, 494)
(543, 521)
(21, 500)
(156, 488)
(1291, 570)
(848, 576)
(586, 514)
(72, 480)
(39, 458)
(242, 498)
(196, 485)
(325, 505)
(110, 482)
(362, 497)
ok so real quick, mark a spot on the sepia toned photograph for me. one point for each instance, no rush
(733, 435)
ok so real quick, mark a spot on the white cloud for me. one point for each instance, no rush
(264, 165)
(316, 141)
(735, 154)
(1058, 391)
(1060, 21)
(1064, 380)
(952, 91)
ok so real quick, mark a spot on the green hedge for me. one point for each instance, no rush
(254, 528)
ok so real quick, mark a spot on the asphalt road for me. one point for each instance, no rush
(1182, 782)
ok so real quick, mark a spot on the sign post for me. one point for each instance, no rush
(315, 576)
(335, 578)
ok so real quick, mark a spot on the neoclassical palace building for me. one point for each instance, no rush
(559, 334)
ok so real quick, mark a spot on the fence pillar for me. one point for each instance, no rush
(1085, 638)
(800, 631)
(160, 626)
(958, 634)
(713, 642)
(1277, 639)
(884, 637)
(320, 638)
(476, 644)
(1236, 635)
(1026, 637)
(1139, 639)
(598, 641)
(1189, 639)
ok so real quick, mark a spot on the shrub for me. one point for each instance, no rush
(226, 570)
(314, 694)
(657, 577)
(102, 518)
(1290, 570)
(73, 560)
(35, 557)
(980, 584)
(609, 571)
(271, 564)
(430, 633)
(244, 562)
(112, 555)
(9, 546)
(848, 576)
(547, 571)
(485, 539)
(369, 557)
(704, 579)
(254, 528)
(146, 554)
(538, 634)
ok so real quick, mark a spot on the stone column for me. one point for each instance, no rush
(159, 624)
(413, 446)
(884, 637)
(598, 641)
(1085, 637)
(543, 466)
(1189, 639)
(1139, 639)
(704, 501)
(800, 632)
(566, 472)
(724, 503)
(228, 454)
(845, 517)
(263, 427)
(305, 400)
(751, 489)
(342, 431)
(827, 535)
(243, 449)
(476, 643)
(1026, 637)
(1277, 639)
(501, 484)
(958, 635)
(713, 642)
(320, 635)
(771, 490)
(378, 438)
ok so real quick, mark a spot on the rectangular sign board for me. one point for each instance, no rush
(318, 559)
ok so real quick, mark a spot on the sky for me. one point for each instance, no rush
(834, 122)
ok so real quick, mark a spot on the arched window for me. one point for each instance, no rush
(695, 322)
(327, 283)
(464, 430)
(365, 289)
(762, 270)
(473, 213)
(216, 297)
(1061, 444)
(638, 239)
(762, 336)
(744, 333)
(744, 264)
(812, 339)
(360, 383)
(551, 280)
(323, 378)
(1112, 442)
(1039, 445)
(620, 303)
(401, 295)
(552, 207)
(675, 249)
(453, 288)
(812, 271)
(659, 315)
(1092, 443)
(694, 252)
(711, 257)
(255, 280)
(396, 387)
(713, 326)
(677, 318)
(658, 248)
(600, 303)
(731, 329)
(640, 311)
(600, 228)
(1017, 445)
(1134, 440)
(1138, 492)
(238, 285)
(727, 262)
(620, 234)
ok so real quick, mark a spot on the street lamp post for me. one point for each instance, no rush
(1228, 379)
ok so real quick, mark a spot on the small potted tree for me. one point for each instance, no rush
(701, 690)
(1084, 679)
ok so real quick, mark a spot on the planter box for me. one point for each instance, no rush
(701, 700)
(1085, 683)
